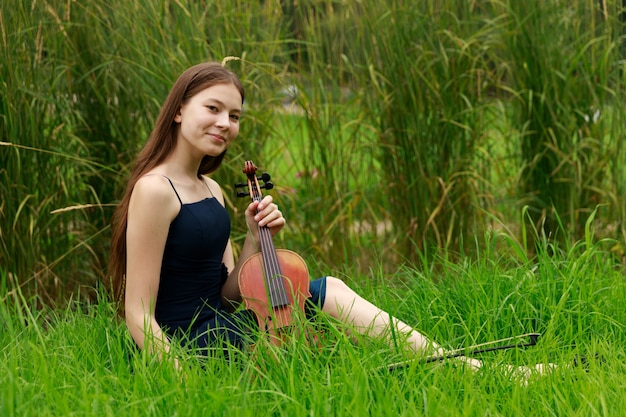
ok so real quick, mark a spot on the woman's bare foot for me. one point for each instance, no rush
(524, 373)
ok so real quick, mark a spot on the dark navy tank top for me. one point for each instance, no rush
(192, 272)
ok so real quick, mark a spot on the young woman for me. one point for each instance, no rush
(172, 263)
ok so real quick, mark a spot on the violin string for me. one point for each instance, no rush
(255, 193)
(264, 250)
(271, 267)
(275, 272)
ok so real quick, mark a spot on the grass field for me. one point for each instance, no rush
(423, 144)
(79, 362)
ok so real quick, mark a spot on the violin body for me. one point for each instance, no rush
(274, 284)
(252, 284)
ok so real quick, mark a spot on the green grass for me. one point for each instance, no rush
(78, 361)
(80, 84)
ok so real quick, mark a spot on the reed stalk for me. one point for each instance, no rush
(425, 67)
(385, 150)
(562, 63)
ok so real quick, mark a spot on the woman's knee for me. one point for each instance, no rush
(334, 285)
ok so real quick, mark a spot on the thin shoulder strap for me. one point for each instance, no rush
(207, 186)
(174, 188)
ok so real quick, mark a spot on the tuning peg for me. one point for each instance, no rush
(265, 177)
(241, 185)
(268, 185)
(242, 194)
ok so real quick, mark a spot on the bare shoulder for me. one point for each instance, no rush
(215, 189)
(154, 192)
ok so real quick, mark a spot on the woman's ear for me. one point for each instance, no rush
(179, 117)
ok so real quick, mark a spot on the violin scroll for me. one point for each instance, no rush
(250, 171)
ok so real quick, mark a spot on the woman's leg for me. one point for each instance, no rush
(344, 304)
(347, 306)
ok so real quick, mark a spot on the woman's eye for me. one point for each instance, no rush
(234, 116)
(212, 108)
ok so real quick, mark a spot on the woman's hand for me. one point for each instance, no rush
(268, 215)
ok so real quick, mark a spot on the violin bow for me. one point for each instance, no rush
(472, 350)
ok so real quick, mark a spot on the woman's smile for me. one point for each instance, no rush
(217, 137)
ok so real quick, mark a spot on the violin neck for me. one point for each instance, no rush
(271, 269)
(265, 238)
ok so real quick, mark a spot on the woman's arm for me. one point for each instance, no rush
(152, 208)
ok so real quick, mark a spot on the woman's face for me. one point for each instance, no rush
(209, 121)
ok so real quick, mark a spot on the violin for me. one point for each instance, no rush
(274, 283)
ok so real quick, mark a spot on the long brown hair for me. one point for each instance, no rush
(159, 146)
